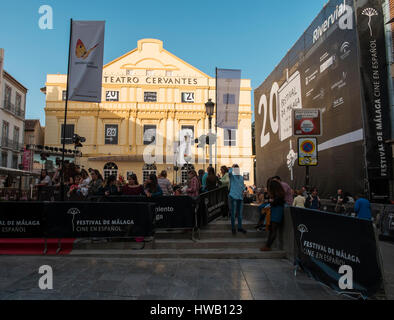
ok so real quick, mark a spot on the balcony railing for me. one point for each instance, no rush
(11, 144)
(18, 111)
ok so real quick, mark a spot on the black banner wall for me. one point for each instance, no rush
(177, 212)
(88, 219)
(22, 219)
(326, 241)
(376, 108)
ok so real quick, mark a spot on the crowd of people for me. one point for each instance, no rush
(80, 184)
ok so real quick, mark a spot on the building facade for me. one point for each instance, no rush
(152, 109)
(12, 118)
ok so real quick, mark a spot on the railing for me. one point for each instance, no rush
(11, 144)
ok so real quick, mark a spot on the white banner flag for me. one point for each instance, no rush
(228, 86)
(86, 61)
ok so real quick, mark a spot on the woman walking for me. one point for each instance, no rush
(277, 203)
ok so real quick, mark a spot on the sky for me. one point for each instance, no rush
(249, 35)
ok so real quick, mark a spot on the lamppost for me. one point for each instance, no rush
(209, 108)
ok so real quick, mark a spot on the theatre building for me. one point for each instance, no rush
(152, 109)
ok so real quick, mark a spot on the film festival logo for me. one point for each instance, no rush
(370, 12)
(73, 212)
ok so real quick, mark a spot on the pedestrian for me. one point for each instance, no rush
(299, 200)
(201, 173)
(193, 186)
(304, 192)
(84, 183)
(277, 204)
(288, 192)
(313, 200)
(339, 202)
(362, 207)
(165, 184)
(152, 188)
(237, 187)
(133, 188)
(204, 182)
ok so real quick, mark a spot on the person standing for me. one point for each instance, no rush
(299, 200)
(152, 188)
(96, 185)
(165, 184)
(287, 189)
(212, 179)
(362, 207)
(111, 187)
(277, 204)
(225, 179)
(194, 186)
(237, 187)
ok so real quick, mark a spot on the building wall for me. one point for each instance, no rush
(147, 68)
(13, 120)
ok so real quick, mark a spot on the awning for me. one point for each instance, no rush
(16, 172)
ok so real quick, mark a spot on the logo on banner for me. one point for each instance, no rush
(81, 52)
(73, 212)
(302, 229)
(345, 51)
(369, 12)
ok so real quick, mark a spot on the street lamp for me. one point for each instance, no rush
(210, 107)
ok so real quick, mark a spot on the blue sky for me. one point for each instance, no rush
(249, 35)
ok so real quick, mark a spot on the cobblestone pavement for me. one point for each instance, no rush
(164, 279)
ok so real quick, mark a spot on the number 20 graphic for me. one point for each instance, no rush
(265, 137)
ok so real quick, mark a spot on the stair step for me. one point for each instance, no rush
(226, 225)
(183, 253)
(236, 242)
(207, 234)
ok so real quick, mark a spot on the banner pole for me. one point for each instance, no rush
(65, 116)
(216, 119)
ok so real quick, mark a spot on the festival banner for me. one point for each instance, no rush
(22, 219)
(89, 219)
(86, 61)
(175, 212)
(325, 242)
(228, 83)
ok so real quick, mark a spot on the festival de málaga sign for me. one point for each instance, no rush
(339, 67)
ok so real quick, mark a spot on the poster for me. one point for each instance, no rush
(327, 60)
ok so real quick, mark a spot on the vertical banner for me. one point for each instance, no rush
(327, 243)
(27, 162)
(376, 109)
(228, 87)
(86, 61)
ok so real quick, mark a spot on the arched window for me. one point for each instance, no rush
(147, 170)
(109, 169)
(185, 169)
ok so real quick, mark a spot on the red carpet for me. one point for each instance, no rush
(34, 246)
